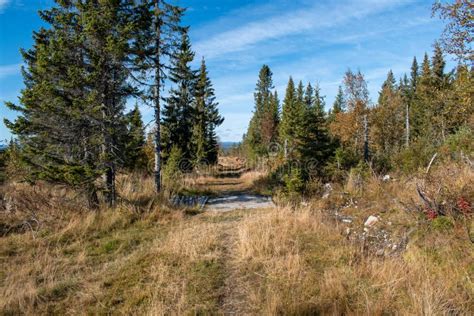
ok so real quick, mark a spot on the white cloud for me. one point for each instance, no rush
(292, 23)
(3, 4)
(9, 70)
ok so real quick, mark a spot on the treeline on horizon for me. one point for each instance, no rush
(427, 111)
(95, 56)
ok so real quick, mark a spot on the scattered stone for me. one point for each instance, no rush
(327, 190)
(386, 178)
(371, 221)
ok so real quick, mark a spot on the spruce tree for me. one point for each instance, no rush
(108, 28)
(291, 116)
(422, 100)
(134, 143)
(206, 118)
(438, 65)
(178, 110)
(414, 74)
(300, 93)
(440, 87)
(263, 125)
(71, 112)
(154, 43)
(309, 99)
(56, 146)
(319, 102)
(338, 105)
(313, 147)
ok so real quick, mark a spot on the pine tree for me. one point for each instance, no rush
(178, 111)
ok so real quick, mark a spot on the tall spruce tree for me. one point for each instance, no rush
(108, 28)
(178, 110)
(263, 125)
(134, 143)
(206, 118)
(155, 42)
(76, 85)
(291, 116)
(338, 105)
(313, 146)
(423, 96)
(55, 146)
(414, 74)
(440, 86)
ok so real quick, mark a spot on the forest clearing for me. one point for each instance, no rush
(147, 258)
(158, 165)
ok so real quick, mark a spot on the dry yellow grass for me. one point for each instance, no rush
(146, 258)
(294, 262)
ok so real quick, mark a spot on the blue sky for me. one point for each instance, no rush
(313, 41)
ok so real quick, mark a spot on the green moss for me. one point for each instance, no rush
(110, 246)
(442, 223)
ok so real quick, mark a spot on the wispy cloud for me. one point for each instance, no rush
(9, 70)
(3, 4)
(289, 24)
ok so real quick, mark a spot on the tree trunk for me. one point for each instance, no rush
(366, 139)
(109, 179)
(92, 198)
(407, 126)
(157, 167)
